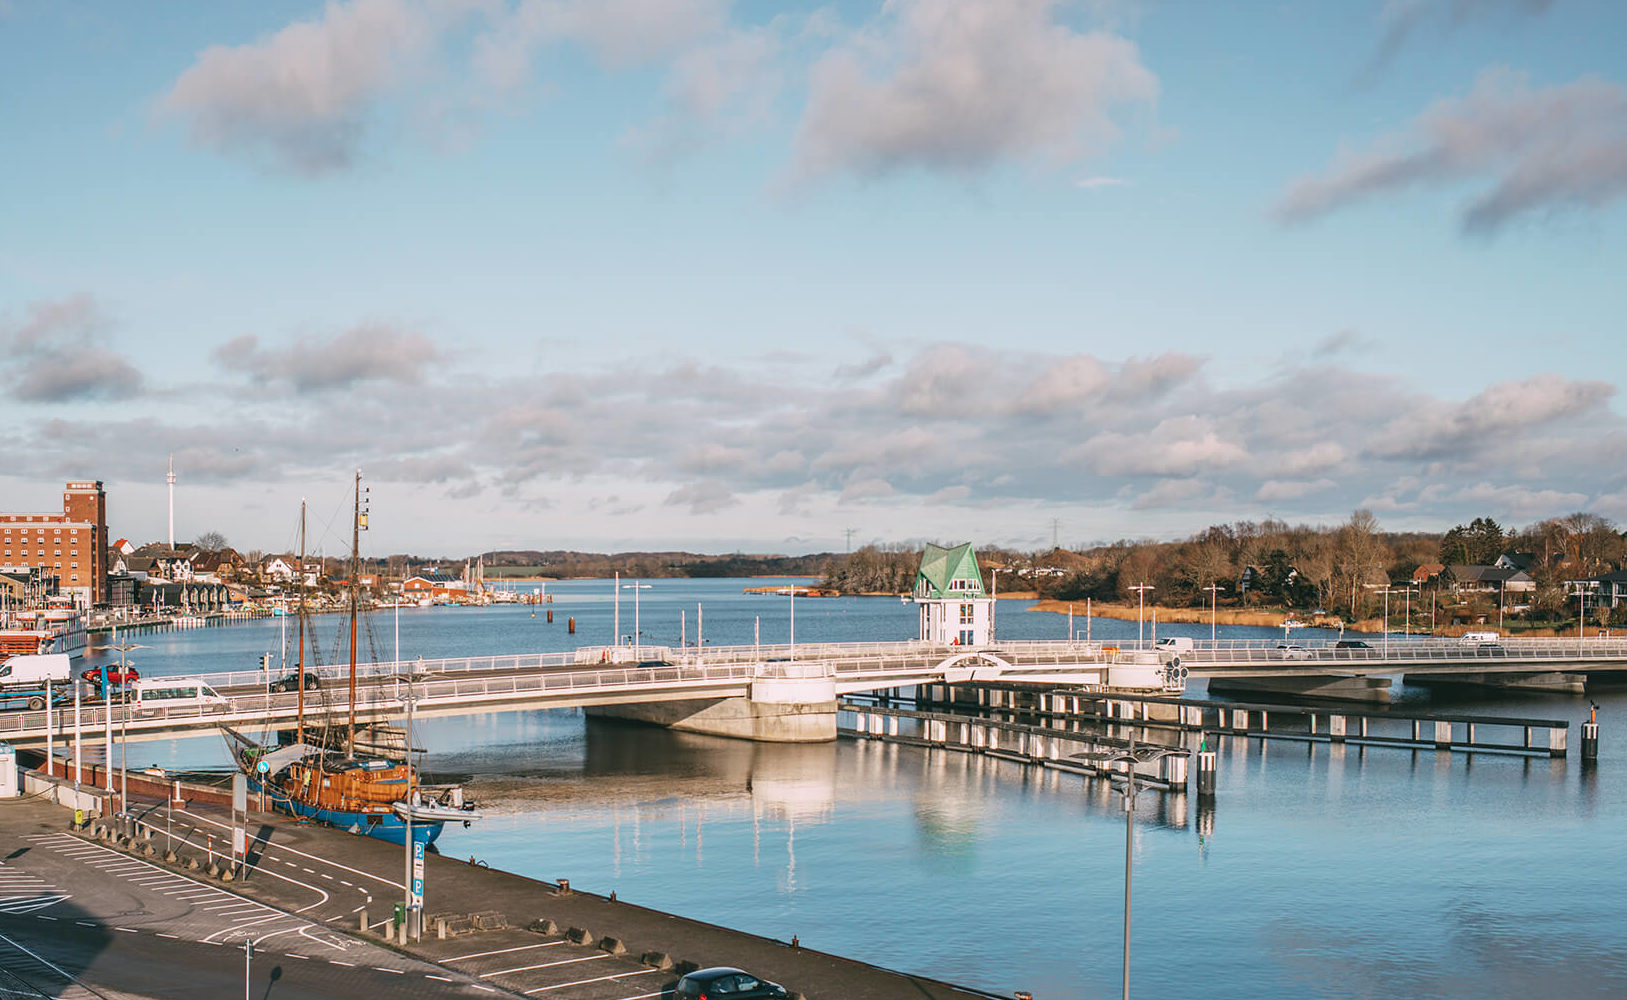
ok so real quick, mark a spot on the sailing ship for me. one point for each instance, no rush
(55, 628)
(373, 795)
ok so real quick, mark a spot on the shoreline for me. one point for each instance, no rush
(1273, 618)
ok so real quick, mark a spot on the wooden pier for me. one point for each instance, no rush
(1429, 730)
(1040, 745)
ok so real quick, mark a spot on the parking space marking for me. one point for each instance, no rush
(584, 982)
(545, 965)
(503, 951)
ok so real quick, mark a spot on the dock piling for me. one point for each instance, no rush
(1207, 765)
(1590, 741)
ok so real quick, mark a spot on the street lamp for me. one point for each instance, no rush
(124, 718)
(1141, 604)
(1213, 589)
(1130, 756)
(1386, 590)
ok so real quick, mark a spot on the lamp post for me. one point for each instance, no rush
(1141, 606)
(124, 718)
(1130, 756)
(1214, 613)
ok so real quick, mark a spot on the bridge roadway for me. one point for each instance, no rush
(605, 676)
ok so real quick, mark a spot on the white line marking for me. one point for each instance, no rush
(501, 951)
(393, 972)
(313, 857)
(544, 965)
(584, 982)
(304, 957)
(172, 936)
(444, 979)
(335, 961)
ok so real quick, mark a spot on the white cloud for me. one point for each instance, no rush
(370, 352)
(1554, 148)
(59, 353)
(304, 96)
(961, 85)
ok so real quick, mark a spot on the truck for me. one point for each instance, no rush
(27, 680)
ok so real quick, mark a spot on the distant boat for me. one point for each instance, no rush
(635, 586)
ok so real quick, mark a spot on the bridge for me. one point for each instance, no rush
(788, 693)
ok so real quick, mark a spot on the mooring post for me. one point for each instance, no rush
(1206, 770)
(1590, 741)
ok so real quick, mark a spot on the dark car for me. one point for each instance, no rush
(733, 984)
(117, 676)
(291, 683)
(1351, 644)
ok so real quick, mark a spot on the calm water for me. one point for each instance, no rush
(1319, 873)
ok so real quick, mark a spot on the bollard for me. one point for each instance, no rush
(570, 625)
(1174, 767)
(1590, 741)
(564, 887)
(362, 919)
(550, 616)
(1206, 772)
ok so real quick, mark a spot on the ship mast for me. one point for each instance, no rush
(357, 523)
(299, 725)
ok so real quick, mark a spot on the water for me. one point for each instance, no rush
(1321, 872)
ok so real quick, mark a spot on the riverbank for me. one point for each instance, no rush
(1273, 618)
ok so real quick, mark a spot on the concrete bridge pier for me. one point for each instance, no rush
(1546, 682)
(778, 710)
(1359, 687)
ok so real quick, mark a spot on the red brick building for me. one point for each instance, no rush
(72, 545)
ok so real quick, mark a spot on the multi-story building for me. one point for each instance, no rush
(72, 545)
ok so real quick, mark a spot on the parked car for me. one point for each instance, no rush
(1351, 644)
(724, 983)
(1293, 651)
(117, 676)
(291, 682)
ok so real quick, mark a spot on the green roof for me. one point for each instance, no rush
(948, 573)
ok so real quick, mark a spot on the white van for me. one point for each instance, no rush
(1479, 638)
(34, 669)
(1175, 644)
(188, 694)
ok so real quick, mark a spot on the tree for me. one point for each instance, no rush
(211, 541)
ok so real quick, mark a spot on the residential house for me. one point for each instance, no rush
(1493, 580)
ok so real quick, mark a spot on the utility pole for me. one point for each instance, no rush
(849, 533)
(170, 478)
(1214, 609)
(1056, 533)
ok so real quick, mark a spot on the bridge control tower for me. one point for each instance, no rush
(949, 592)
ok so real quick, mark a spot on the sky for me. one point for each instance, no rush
(782, 277)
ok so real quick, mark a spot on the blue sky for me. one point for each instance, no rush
(559, 273)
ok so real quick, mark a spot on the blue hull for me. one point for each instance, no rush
(383, 826)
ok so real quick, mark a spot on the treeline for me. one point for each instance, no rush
(1342, 569)
(560, 564)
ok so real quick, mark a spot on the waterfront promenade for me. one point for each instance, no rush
(308, 892)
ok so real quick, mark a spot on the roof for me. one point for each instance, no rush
(1489, 574)
(941, 567)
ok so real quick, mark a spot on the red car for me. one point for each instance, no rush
(116, 675)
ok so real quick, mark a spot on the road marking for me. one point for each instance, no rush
(545, 965)
(87, 923)
(393, 972)
(502, 951)
(296, 955)
(584, 982)
(176, 937)
(335, 961)
(127, 930)
(293, 850)
(444, 979)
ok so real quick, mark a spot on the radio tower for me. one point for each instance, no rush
(171, 480)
